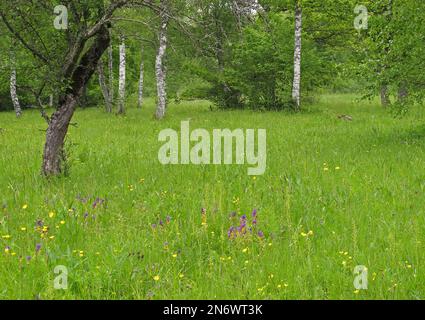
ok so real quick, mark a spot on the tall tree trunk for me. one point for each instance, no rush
(53, 155)
(121, 83)
(160, 69)
(13, 93)
(296, 87)
(104, 87)
(111, 74)
(141, 81)
(385, 96)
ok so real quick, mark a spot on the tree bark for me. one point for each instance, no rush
(385, 96)
(159, 64)
(296, 87)
(111, 74)
(104, 87)
(121, 80)
(53, 155)
(13, 91)
(141, 82)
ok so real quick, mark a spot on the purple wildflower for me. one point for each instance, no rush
(38, 247)
(86, 214)
(261, 234)
(168, 219)
(28, 258)
(231, 233)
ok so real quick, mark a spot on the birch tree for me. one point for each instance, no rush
(13, 91)
(141, 82)
(160, 69)
(111, 73)
(296, 87)
(121, 80)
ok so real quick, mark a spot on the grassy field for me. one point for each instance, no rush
(335, 194)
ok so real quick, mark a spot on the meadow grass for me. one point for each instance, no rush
(335, 194)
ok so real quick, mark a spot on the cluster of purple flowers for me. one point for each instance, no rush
(161, 222)
(244, 228)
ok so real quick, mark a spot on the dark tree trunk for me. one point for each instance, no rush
(53, 155)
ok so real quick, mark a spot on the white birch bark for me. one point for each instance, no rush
(104, 87)
(159, 64)
(121, 80)
(141, 82)
(296, 87)
(13, 91)
(111, 74)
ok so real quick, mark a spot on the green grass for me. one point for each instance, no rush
(369, 212)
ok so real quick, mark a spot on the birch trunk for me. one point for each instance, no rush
(296, 87)
(121, 83)
(104, 87)
(111, 74)
(13, 93)
(141, 80)
(159, 64)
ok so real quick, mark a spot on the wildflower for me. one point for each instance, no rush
(86, 215)
(204, 216)
(23, 229)
(28, 258)
(356, 291)
(7, 236)
(181, 275)
(51, 214)
(51, 237)
(25, 206)
(156, 278)
(62, 222)
(231, 233)
(261, 234)
(7, 250)
(337, 168)
(174, 255)
(38, 247)
(245, 250)
(168, 219)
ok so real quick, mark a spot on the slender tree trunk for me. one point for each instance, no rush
(141, 81)
(296, 87)
(111, 74)
(160, 69)
(51, 100)
(104, 87)
(53, 155)
(385, 96)
(121, 84)
(13, 93)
